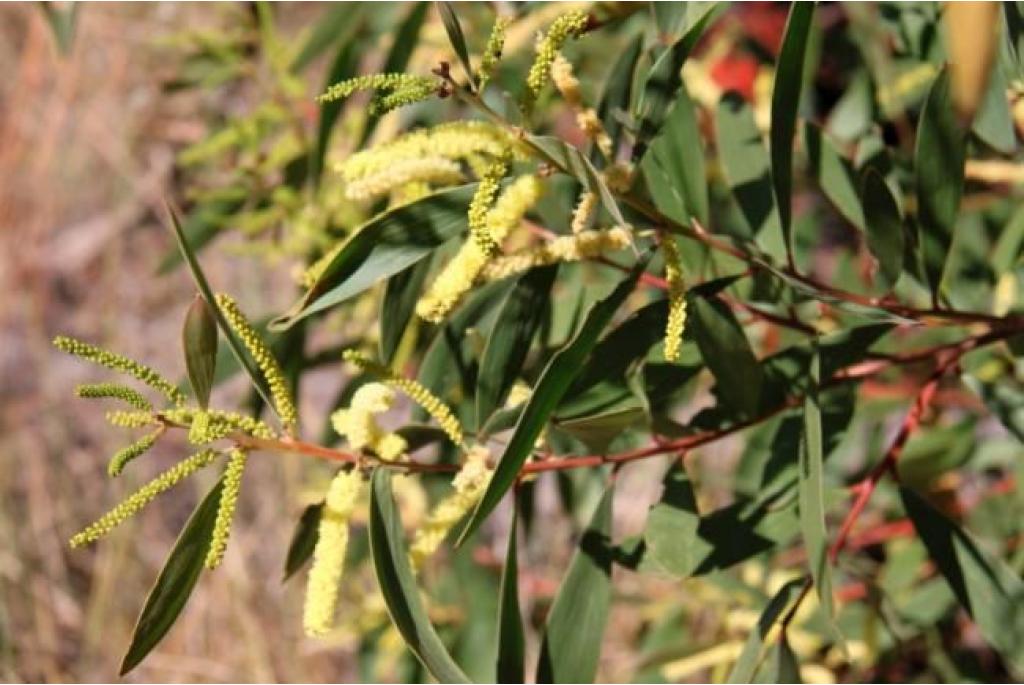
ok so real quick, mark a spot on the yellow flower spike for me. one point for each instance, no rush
(218, 424)
(117, 362)
(462, 271)
(571, 24)
(565, 81)
(114, 391)
(373, 397)
(437, 170)
(492, 51)
(480, 205)
(584, 210)
(469, 485)
(264, 359)
(391, 446)
(131, 419)
(226, 508)
(571, 248)
(398, 90)
(360, 428)
(129, 453)
(676, 299)
(143, 496)
(591, 125)
(419, 394)
(329, 553)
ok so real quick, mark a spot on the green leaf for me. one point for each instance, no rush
(385, 245)
(786, 668)
(458, 41)
(883, 227)
(246, 362)
(406, 40)
(551, 387)
(811, 491)
(569, 158)
(511, 640)
(663, 79)
(994, 122)
(789, 76)
(199, 341)
(939, 170)
(834, 173)
(745, 163)
(398, 585)
(987, 588)
(200, 228)
(176, 581)
(575, 626)
(1004, 397)
(304, 538)
(618, 90)
(335, 26)
(398, 305)
(746, 665)
(672, 523)
(727, 352)
(62, 19)
(674, 165)
(509, 341)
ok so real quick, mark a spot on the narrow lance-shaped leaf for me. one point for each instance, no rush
(834, 173)
(258, 382)
(576, 623)
(811, 492)
(385, 245)
(726, 351)
(618, 91)
(551, 387)
(573, 162)
(520, 316)
(399, 304)
(883, 227)
(177, 579)
(398, 585)
(329, 28)
(304, 538)
(753, 649)
(199, 340)
(511, 640)
(789, 75)
(987, 588)
(939, 169)
(458, 41)
(785, 667)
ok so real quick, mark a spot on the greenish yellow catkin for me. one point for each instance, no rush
(419, 394)
(215, 424)
(114, 391)
(567, 248)
(571, 24)
(492, 51)
(129, 453)
(143, 496)
(469, 485)
(480, 206)
(358, 425)
(122, 364)
(395, 90)
(676, 299)
(329, 553)
(264, 359)
(131, 419)
(226, 507)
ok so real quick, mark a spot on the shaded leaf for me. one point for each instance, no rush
(304, 538)
(175, 582)
(385, 245)
(672, 524)
(726, 351)
(575, 625)
(786, 668)
(511, 640)
(509, 341)
(398, 585)
(455, 37)
(618, 90)
(335, 26)
(883, 227)
(834, 173)
(398, 305)
(551, 387)
(569, 158)
(674, 165)
(746, 665)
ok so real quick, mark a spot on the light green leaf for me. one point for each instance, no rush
(575, 626)
(199, 340)
(398, 585)
(671, 530)
(834, 173)
(335, 26)
(177, 579)
(786, 668)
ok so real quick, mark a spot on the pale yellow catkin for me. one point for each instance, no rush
(329, 554)
(584, 210)
(358, 425)
(226, 508)
(569, 248)
(143, 496)
(676, 299)
(435, 170)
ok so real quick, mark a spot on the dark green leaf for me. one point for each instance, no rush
(398, 585)
(618, 90)
(883, 227)
(258, 382)
(382, 247)
(576, 623)
(746, 665)
(727, 352)
(304, 538)
(674, 165)
(570, 159)
(509, 341)
(672, 524)
(745, 163)
(987, 588)
(834, 173)
(811, 489)
(789, 77)
(176, 581)
(1004, 397)
(458, 41)
(199, 340)
(335, 26)
(939, 169)
(511, 640)
(397, 307)
(552, 385)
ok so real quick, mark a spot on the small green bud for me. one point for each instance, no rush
(199, 341)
